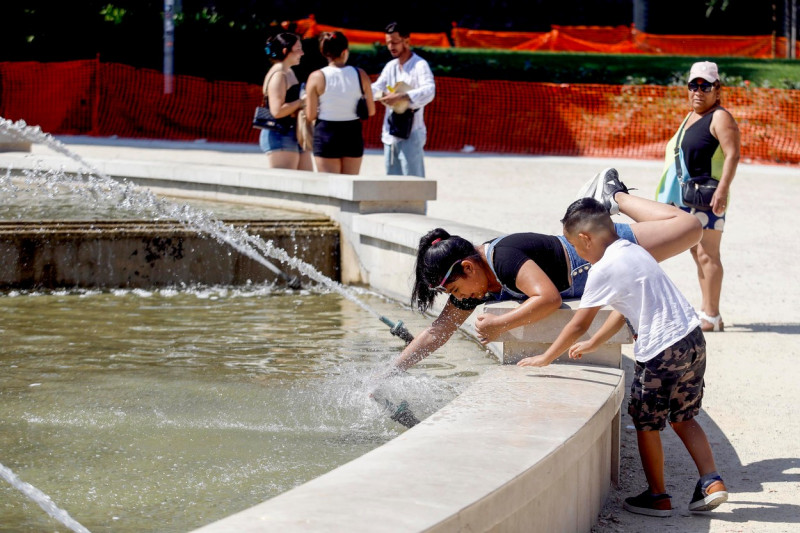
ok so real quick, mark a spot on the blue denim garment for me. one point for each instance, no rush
(579, 267)
(406, 157)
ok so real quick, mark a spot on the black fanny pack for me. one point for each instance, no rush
(400, 124)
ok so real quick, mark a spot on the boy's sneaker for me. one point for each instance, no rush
(708, 495)
(588, 188)
(649, 504)
(608, 185)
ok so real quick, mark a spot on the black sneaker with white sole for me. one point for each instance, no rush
(608, 184)
(659, 505)
(708, 495)
(587, 189)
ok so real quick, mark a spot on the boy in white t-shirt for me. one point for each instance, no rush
(670, 348)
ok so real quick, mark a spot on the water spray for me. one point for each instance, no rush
(42, 500)
(398, 329)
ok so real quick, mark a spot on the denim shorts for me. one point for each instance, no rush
(272, 141)
(708, 218)
(670, 385)
(579, 267)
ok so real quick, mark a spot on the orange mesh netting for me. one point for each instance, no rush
(105, 99)
(601, 39)
(311, 29)
(622, 40)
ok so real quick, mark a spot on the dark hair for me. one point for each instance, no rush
(437, 252)
(279, 46)
(586, 214)
(332, 44)
(393, 27)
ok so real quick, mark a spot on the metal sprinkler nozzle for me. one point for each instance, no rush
(398, 329)
(399, 413)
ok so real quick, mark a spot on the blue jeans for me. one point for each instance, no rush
(271, 140)
(405, 157)
(579, 267)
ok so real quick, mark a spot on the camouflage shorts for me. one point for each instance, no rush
(670, 385)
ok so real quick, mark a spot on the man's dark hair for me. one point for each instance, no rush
(393, 27)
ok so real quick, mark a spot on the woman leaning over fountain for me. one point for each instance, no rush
(537, 270)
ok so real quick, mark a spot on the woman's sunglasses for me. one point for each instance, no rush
(705, 87)
(440, 286)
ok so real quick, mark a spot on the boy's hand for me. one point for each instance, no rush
(536, 360)
(577, 350)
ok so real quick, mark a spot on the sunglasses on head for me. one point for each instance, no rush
(440, 286)
(705, 87)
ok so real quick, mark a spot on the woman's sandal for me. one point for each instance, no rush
(711, 323)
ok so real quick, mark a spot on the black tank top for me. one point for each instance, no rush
(699, 146)
(292, 94)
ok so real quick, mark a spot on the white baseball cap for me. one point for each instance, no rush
(706, 70)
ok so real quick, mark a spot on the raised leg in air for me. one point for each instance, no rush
(661, 229)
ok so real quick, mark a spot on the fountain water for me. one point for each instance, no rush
(42, 500)
(126, 376)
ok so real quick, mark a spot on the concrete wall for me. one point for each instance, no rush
(521, 450)
(152, 254)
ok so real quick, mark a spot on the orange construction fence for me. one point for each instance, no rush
(309, 28)
(106, 99)
(601, 39)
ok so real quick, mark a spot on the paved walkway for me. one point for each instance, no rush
(753, 375)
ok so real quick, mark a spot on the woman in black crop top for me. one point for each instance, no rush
(537, 269)
(281, 91)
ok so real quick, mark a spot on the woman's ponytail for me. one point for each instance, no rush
(438, 251)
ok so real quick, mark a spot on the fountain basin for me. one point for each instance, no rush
(514, 452)
(536, 448)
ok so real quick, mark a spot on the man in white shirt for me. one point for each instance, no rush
(405, 86)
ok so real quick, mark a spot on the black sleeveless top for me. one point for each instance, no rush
(512, 252)
(292, 95)
(698, 147)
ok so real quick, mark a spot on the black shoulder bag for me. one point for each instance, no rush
(264, 120)
(362, 111)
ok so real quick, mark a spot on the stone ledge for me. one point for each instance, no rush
(390, 190)
(500, 457)
(534, 339)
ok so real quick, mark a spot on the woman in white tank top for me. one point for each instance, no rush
(332, 96)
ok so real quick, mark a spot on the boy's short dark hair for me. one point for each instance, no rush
(586, 214)
(393, 27)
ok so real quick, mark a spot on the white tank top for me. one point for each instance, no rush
(342, 91)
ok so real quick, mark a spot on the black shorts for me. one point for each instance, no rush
(669, 386)
(333, 140)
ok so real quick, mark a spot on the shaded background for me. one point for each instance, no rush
(223, 40)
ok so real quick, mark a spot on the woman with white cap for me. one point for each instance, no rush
(709, 145)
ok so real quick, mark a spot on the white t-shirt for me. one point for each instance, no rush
(628, 279)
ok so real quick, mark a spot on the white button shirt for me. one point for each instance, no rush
(417, 74)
